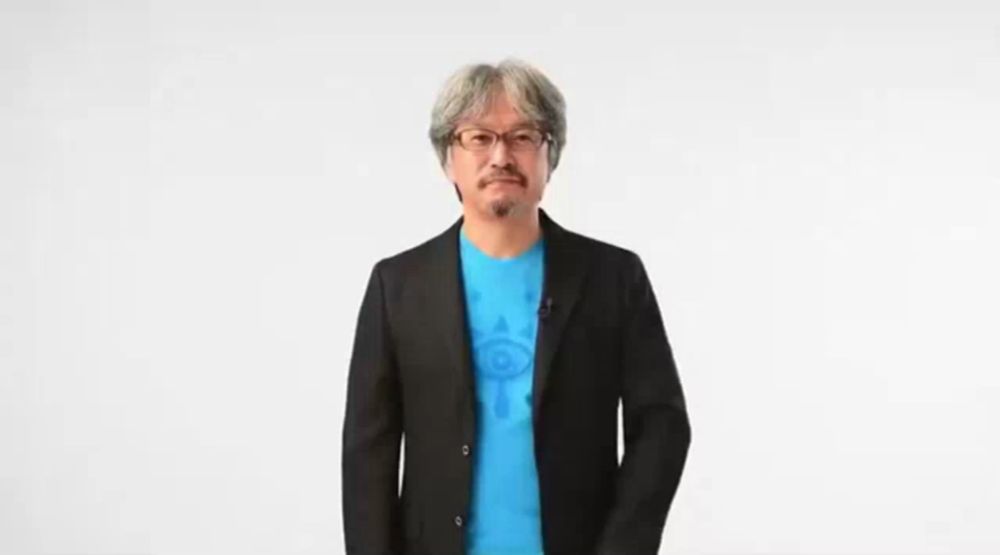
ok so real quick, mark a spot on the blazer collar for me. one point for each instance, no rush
(564, 271)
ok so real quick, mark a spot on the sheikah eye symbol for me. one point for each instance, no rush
(502, 359)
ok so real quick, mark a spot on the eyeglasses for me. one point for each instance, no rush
(482, 140)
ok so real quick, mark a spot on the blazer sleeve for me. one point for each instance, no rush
(655, 421)
(371, 433)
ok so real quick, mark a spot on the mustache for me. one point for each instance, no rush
(502, 176)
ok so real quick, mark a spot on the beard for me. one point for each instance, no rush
(504, 208)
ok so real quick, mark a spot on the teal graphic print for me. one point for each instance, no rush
(502, 298)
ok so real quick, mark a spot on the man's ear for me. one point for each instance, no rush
(450, 174)
(448, 171)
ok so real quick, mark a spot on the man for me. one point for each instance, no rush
(500, 349)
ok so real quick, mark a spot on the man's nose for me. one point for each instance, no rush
(501, 155)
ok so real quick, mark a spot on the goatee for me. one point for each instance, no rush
(504, 208)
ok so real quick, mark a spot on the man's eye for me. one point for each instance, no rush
(480, 138)
(524, 137)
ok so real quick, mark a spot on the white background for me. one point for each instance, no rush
(192, 195)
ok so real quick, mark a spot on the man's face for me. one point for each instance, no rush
(501, 182)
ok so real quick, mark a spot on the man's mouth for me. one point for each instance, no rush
(505, 180)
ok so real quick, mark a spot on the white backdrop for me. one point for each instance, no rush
(192, 195)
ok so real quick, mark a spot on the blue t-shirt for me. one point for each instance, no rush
(502, 298)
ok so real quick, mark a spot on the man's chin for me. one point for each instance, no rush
(504, 208)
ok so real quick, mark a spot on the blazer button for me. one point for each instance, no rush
(465, 450)
(458, 521)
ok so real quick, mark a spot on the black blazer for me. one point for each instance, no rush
(600, 338)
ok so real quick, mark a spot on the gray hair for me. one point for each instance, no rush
(468, 91)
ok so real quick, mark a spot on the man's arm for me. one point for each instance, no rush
(657, 432)
(371, 435)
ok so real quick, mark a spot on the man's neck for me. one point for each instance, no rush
(503, 237)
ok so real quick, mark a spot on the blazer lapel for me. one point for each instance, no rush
(564, 271)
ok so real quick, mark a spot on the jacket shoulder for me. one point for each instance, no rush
(411, 260)
(603, 252)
